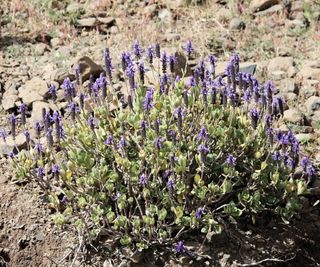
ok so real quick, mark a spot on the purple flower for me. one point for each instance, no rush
(166, 174)
(37, 128)
(289, 162)
(150, 53)
(269, 89)
(143, 126)
(109, 140)
(158, 142)
(107, 63)
(38, 148)
(3, 134)
(170, 184)
(40, 172)
(202, 134)
(232, 95)
(247, 95)
(172, 61)
(255, 116)
(179, 112)
(53, 92)
(130, 70)
(279, 135)
(231, 160)
(122, 143)
(192, 82)
(304, 163)
(311, 171)
(203, 149)
(157, 50)
(11, 155)
(68, 88)
(27, 136)
(22, 110)
(137, 49)
(142, 71)
(55, 169)
(91, 123)
(73, 109)
(189, 48)
(180, 248)
(276, 156)
(212, 60)
(148, 101)
(125, 60)
(49, 137)
(199, 213)
(143, 179)
(164, 61)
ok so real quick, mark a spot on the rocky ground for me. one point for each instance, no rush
(42, 41)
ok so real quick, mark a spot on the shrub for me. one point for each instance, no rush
(165, 160)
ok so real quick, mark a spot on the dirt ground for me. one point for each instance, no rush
(39, 36)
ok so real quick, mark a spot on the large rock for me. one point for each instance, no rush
(10, 145)
(28, 96)
(280, 64)
(37, 107)
(259, 5)
(313, 104)
(288, 85)
(8, 102)
(308, 72)
(37, 85)
(310, 88)
(87, 22)
(293, 116)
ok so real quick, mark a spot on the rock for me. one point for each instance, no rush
(313, 104)
(288, 85)
(223, 15)
(55, 42)
(10, 145)
(293, 116)
(40, 49)
(284, 51)
(277, 75)
(291, 98)
(74, 7)
(28, 96)
(109, 21)
(297, 6)
(280, 64)
(237, 24)
(304, 137)
(296, 23)
(60, 74)
(37, 85)
(248, 67)
(308, 72)
(173, 4)
(310, 88)
(9, 101)
(87, 67)
(173, 37)
(87, 22)
(269, 11)
(259, 5)
(165, 15)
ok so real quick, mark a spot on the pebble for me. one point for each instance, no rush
(237, 24)
(293, 116)
(259, 5)
(40, 49)
(313, 104)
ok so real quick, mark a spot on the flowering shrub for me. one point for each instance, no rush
(164, 160)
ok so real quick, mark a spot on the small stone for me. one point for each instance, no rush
(237, 24)
(308, 72)
(173, 4)
(87, 22)
(109, 21)
(74, 7)
(8, 102)
(55, 42)
(40, 49)
(269, 11)
(293, 116)
(277, 75)
(165, 15)
(10, 145)
(296, 23)
(280, 64)
(311, 88)
(288, 85)
(114, 29)
(284, 51)
(313, 104)
(173, 37)
(259, 5)
(290, 98)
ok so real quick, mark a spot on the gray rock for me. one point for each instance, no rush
(280, 64)
(269, 11)
(277, 75)
(259, 5)
(310, 88)
(293, 116)
(37, 85)
(9, 101)
(55, 42)
(87, 22)
(237, 24)
(308, 72)
(296, 23)
(313, 104)
(165, 15)
(288, 85)
(40, 49)
(291, 98)
(60, 74)
(37, 107)
(29, 96)
(11, 145)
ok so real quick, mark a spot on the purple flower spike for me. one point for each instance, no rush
(255, 116)
(38, 148)
(3, 135)
(55, 170)
(311, 171)
(158, 142)
(122, 143)
(180, 248)
(143, 180)
(199, 213)
(170, 184)
(53, 92)
(203, 148)
(137, 49)
(142, 71)
(157, 50)
(143, 126)
(78, 75)
(68, 88)
(13, 122)
(231, 160)
(108, 64)
(22, 110)
(150, 53)
(202, 135)
(164, 61)
(40, 172)
(189, 49)
(304, 163)
(91, 123)
(109, 140)
(172, 61)
(148, 101)
(276, 156)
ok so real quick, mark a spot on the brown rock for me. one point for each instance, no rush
(293, 116)
(280, 64)
(259, 5)
(36, 114)
(9, 101)
(11, 145)
(87, 67)
(87, 22)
